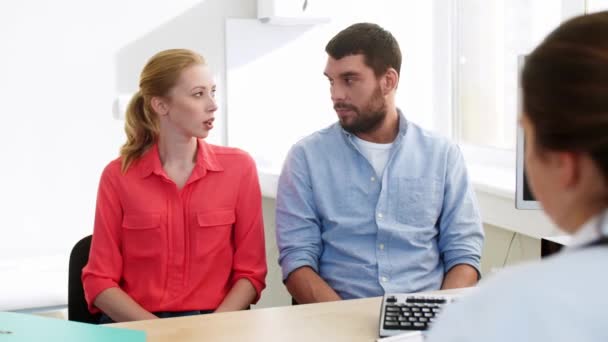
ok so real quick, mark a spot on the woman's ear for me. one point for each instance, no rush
(389, 81)
(159, 105)
(569, 166)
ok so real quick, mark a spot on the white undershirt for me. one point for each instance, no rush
(376, 154)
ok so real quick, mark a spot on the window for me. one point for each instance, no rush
(488, 38)
(596, 5)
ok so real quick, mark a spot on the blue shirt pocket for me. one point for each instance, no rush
(418, 201)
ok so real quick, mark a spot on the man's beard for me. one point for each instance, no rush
(367, 119)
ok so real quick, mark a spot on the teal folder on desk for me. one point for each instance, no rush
(16, 327)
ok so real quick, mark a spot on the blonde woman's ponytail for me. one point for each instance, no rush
(141, 127)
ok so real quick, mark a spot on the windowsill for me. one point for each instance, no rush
(269, 181)
(496, 181)
(494, 187)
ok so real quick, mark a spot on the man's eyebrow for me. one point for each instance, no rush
(349, 73)
(345, 74)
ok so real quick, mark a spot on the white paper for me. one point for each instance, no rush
(412, 336)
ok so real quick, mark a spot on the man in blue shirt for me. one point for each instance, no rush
(373, 203)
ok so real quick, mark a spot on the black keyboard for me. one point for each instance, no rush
(402, 312)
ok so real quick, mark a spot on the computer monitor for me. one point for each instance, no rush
(524, 198)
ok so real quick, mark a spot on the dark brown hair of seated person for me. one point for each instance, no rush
(378, 46)
(565, 88)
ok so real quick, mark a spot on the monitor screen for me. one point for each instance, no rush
(528, 195)
(524, 198)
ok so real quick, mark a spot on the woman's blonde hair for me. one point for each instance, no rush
(158, 77)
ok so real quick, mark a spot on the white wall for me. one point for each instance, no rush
(275, 293)
(62, 64)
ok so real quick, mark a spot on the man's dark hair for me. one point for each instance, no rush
(378, 46)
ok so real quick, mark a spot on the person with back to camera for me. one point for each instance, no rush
(373, 203)
(178, 225)
(565, 120)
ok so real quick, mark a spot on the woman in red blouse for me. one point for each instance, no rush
(178, 224)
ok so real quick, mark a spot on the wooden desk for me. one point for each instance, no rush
(347, 320)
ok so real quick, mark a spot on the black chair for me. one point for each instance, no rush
(550, 246)
(77, 305)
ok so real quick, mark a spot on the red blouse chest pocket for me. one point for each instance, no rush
(142, 235)
(213, 231)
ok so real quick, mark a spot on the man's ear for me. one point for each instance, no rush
(159, 105)
(389, 81)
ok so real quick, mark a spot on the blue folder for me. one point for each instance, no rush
(16, 327)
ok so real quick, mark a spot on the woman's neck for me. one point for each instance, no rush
(578, 218)
(177, 151)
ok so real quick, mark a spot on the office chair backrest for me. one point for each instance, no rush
(77, 305)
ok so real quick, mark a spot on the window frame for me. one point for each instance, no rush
(476, 156)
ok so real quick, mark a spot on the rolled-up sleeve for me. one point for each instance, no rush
(460, 230)
(298, 230)
(249, 256)
(104, 268)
